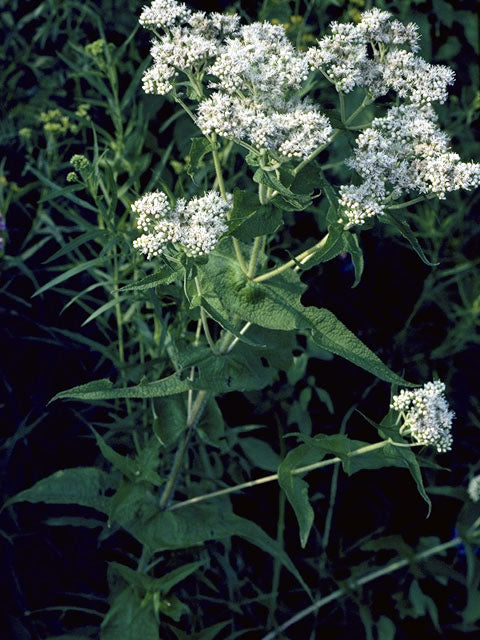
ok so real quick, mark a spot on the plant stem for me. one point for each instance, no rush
(336, 133)
(252, 265)
(342, 106)
(192, 420)
(204, 319)
(401, 205)
(333, 490)
(302, 258)
(354, 584)
(223, 193)
(119, 320)
(277, 565)
(274, 476)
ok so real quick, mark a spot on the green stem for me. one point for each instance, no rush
(302, 258)
(277, 565)
(274, 476)
(252, 265)
(402, 205)
(119, 321)
(333, 491)
(204, 319)
(192, 421)
(355, 583)
(223, 193)
(342, 106)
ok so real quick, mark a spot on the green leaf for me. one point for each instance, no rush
(285, 199)
(85, 486)
(240, 370)
(198, 149)
(96, 234)
(162, 585)
(329, 192)
(224, 322)
(296, 489)
(211, 427)
(386, 630)
(449, 49)
(83, 266)
(104, 390)
(444, 12)
(126, 465)
(250, 219)
(165, 275)
(402, 227)
(260, 454)
(104, 307)
(334, 245)
(423, 604)
(170, 419)
(352, 246)
(397, 456)
(209, 633)
(130, 617)
(307, 180)
(275, 304)
(335, 118)
(195, 524)
(331, 334)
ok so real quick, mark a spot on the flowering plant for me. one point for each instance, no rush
(209, 273)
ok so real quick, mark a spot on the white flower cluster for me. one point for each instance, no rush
(368, 55)
(261, 59)
(474, 489)
(190, 41)
(407, 151)
(293, 128)
(426, 415)
(196, 225)
(256, 73)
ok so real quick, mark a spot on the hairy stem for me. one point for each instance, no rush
(274, 476)
(302, 258)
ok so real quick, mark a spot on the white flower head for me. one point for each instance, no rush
(260, 60)
(291, 128)
(407, 150)
(196, 226)
(378, 55)
(164, 14)
(190, 41)
(474, 488)
(426, 415)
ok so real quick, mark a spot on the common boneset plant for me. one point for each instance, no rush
(240, 311)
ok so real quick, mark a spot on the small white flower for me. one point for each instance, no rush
(292, 128)
(164, 14)
(407, 150)
(426, 415)
(196, 225)
(474, 488)
(260, 61)
(190, 41)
